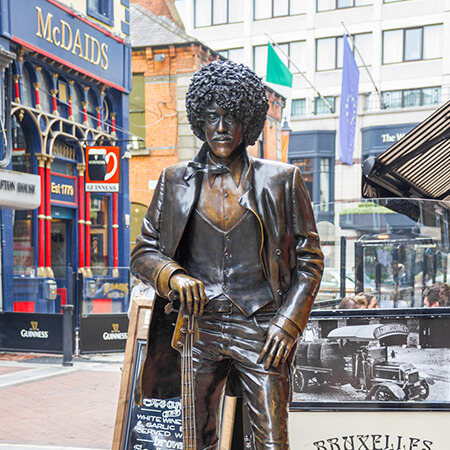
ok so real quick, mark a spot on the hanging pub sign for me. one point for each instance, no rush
(102, 173)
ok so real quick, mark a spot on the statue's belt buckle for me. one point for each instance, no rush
(220, 306)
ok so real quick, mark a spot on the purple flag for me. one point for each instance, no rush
(349, 105)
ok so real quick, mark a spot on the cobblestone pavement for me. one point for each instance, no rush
(46, 405)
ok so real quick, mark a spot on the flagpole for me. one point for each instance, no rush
(364, 64)
(300, 72)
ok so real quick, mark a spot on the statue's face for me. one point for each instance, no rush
(223, 131)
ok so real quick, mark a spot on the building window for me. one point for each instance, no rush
(137, 107)
(320, 107)
(99, 233)
(328, 5)
(63, 99)
(319, 190)
(235, 54)
(329, 51)
(102, 10)
(217, 12)
(295, 50)
(267, 9)
(298, 107)
(412, 44)
(411, 97)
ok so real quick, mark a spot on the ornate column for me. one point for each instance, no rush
(99, 118)
(115, 231)
(81, 244)
(16, 88)
(36, 95)
(54, 101)
(41, 271)
(113, 124)
(48, 218)
(85, 121)
(88, 223)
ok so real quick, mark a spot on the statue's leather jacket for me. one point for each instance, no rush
(290, 251)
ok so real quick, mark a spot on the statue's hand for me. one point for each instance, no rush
(277, 347)
(191, 292)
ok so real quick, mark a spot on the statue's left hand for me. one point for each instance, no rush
(277, 347)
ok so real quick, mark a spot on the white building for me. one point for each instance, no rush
(401, 42)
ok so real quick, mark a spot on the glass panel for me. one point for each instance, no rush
(340, 51)
(392, 46)
(45, 95)
(63, 99)
(77, 107)
(322, 107)
(280, 8)
(413, 44)
(59, 248)
(92, 111)
(219, 11)
(411, 98)
(326, 54)
(137, 106)
(263, 9)
(432, 42)
(235, 11)
(99, 233)
(27, 89)
(396, 249)
(23, 251)
(298, 107)
(260, 60)
(298, 56)
(344, 3)
(324, 184)
(20, 158)
(202, 13)
(326, 5)
(363, 43)
(297, 7)
(431, 96)
(236, 54)
(392, 99)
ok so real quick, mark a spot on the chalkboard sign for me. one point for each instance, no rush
(156, 424)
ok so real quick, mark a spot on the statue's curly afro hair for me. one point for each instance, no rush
(233, 87)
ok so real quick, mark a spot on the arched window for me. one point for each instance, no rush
(77, 106)
(92, 109)
(45, 94)
(27, 88)
(63, 98)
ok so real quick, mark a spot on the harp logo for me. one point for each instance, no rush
(34, 331)
(115, 333)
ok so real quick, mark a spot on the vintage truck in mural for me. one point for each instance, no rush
(358, 355)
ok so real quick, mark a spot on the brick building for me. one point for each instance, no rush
(164, 58)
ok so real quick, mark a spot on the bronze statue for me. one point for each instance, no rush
(235, 237)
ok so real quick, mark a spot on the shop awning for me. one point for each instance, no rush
(417, 166)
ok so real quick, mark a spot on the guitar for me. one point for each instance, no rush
(184, 337)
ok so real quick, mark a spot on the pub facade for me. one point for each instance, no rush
(67, 122)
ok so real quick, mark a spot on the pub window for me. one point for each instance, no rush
(99, 233)
(27, 88)
(217, 12)
(77, 105)
(267, 9)
(412, 44)
(92, 109)
(102, 10)
(329, 51)
(63, 99)
(137, 107)
(23, 245)
(306, 167)
(45, 94)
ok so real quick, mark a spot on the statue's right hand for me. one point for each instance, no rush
(191, 292)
